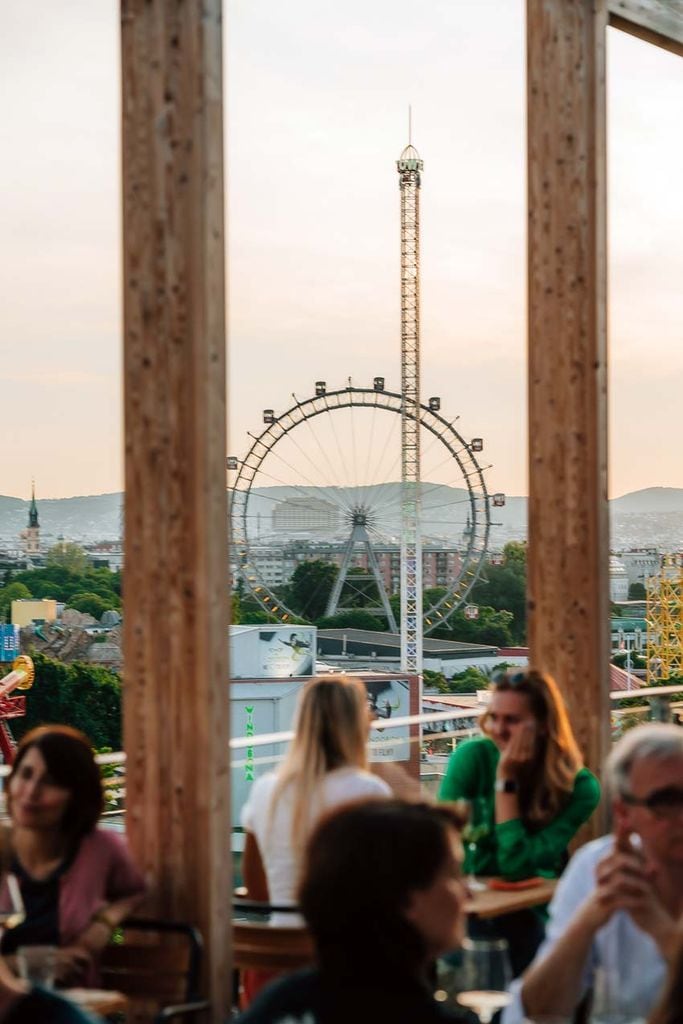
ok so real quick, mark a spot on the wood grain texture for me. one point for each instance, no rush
(568, 587)
(176, 725)
(654, 21)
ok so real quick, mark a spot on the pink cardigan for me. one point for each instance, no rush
(101, 872)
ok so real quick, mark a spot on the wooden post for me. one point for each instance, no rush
(176, 593)
(568, 589)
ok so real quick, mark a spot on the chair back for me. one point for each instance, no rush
(156, 965)
(261, 946)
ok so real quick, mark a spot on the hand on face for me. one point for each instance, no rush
(519, 750)
(625, 881)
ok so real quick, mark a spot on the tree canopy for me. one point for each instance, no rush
(310, 588)
(88, 697)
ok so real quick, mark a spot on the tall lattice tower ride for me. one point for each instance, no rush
(665, 622)
(409, 168)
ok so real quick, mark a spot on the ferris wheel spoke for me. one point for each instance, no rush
(342, 460)
(316, 488)
(392, 434)
(333, 477)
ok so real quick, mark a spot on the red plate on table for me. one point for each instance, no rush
(503, 885)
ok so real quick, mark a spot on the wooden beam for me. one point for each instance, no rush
(568, 588)
(176, 725)
(654, 21)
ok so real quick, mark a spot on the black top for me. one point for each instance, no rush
(312, 997)
(41, 1007)
(41, 901)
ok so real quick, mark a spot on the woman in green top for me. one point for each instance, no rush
(525, 781)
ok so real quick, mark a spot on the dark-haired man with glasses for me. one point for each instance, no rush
(619, 903)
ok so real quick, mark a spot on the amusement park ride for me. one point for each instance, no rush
(20, 678)
(351, 486)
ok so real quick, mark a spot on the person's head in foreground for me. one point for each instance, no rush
(382, 887)
(645, 778)
(526, 709)
(55, 785)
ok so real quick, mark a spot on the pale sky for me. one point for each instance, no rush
(317, 97)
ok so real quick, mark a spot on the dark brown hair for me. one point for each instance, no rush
(547, 784)
(70, 761)
(362, 863)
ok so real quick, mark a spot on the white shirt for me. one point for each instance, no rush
(274, 832)
(619, 947)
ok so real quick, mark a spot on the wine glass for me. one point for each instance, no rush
(483, 977)
(476, 829)
(15, 913)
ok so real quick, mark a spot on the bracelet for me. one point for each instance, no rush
(505, 786)
(102, 917)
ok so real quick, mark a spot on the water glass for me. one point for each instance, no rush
(611, 1005)
(483, 977)
(37, 964)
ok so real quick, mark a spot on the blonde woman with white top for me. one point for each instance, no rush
(326, 766)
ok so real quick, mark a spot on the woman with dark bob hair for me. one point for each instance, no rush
(77, 881)
(382, 896)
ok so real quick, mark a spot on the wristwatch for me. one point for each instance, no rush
(505, 786)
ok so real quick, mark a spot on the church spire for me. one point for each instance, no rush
(33, 508)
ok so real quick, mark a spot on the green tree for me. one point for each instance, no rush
(87, 697)
(91, 604)
(352, 618)
(67, 555)
(12, 592)
(637, 592)
(503, 588)
(310, 588)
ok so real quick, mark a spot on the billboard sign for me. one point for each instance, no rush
(287, 652)
(10, 644)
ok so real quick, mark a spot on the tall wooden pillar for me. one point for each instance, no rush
(568, 589)
(176, 602)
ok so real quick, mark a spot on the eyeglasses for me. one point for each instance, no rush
(664, 803)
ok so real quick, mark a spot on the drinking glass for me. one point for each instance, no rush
(476, 829)
(483, 977)
(37, 964)
(613, 1003)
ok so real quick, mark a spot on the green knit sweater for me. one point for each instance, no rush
(510, 848)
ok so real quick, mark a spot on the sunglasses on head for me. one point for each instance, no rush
(511, 679)
(663, 803)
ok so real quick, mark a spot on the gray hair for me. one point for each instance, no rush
(657, 740)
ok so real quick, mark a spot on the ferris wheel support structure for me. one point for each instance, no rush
(409, 166)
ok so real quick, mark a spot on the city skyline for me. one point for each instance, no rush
(316, 113)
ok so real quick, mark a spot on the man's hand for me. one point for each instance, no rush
(518, 753)
(72, 964)
(626, 882)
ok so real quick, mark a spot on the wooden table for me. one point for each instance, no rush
(96, 1000)
(494, 902)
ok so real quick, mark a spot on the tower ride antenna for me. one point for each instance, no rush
(409, 166)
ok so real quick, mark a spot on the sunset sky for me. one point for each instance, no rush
(316, 115)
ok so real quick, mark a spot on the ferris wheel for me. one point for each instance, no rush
(320, 481)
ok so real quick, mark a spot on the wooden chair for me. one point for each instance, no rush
(266, 947)
(157, 966)
(263, 949)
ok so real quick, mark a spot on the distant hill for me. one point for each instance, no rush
(651, 499)
(87, 518)
(649, 517)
